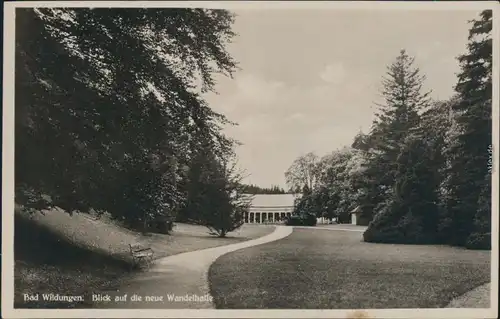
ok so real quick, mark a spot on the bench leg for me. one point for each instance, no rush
(142, 261)
(134, 263)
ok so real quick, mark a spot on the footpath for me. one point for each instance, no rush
(178, 281)
(476, 298)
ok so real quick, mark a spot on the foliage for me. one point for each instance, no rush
(124, 114)
(411, 213)
(365, 174)
(304, 204)
(423, 172)
(468, 205)
(337, 188)
(254, 189)
(301, 220)
(216, 196)
(398, 116)
(304, 210)
(303, 171)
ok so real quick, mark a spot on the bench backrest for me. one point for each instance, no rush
(137, 248)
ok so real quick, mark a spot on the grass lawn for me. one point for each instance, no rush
(74, 255)
(324, 269)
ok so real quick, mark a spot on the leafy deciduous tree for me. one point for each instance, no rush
(114, 128)
(303, 171)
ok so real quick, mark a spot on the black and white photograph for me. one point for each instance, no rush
(248, 159)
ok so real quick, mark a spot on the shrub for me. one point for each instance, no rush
(394, 225)
(164, 227)
(479, 241)
(301, 220)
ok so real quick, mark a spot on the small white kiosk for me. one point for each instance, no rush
(355, 215)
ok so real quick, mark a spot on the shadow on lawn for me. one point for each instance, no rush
(46, 262)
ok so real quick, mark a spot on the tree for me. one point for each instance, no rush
(254, 189)
(123, 115)
(468, 209)
(343, 176)
(216, 195)
(398, 119)
(411, 213)
(305, 203)
(337, 188)
(361, 142)
(303, 171)
(402, 90)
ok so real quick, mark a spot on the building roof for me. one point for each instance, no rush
(356, 210)
(273, 200)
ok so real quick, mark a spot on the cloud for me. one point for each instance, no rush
(266, 106)
(429, 51)
(250, 94)
(257, 89)
(277, 120)
(296, 117)
(333, 73)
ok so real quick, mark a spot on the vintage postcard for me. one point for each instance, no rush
(245, 159)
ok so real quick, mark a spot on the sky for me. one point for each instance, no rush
(308, 79)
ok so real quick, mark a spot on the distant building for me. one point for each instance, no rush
(356, 216)
(270, 208)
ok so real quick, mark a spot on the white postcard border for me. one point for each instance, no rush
(8, 168)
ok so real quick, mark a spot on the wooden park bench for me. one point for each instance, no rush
(141, 255)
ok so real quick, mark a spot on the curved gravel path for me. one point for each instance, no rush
(182, 275)
(476, 298)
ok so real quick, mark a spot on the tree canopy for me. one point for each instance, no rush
(254, 189)
(422, 174)
(302, 172)
(109, 106)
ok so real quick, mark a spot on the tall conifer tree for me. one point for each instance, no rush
(468, 217)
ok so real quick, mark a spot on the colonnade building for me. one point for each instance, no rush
(270, 208)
